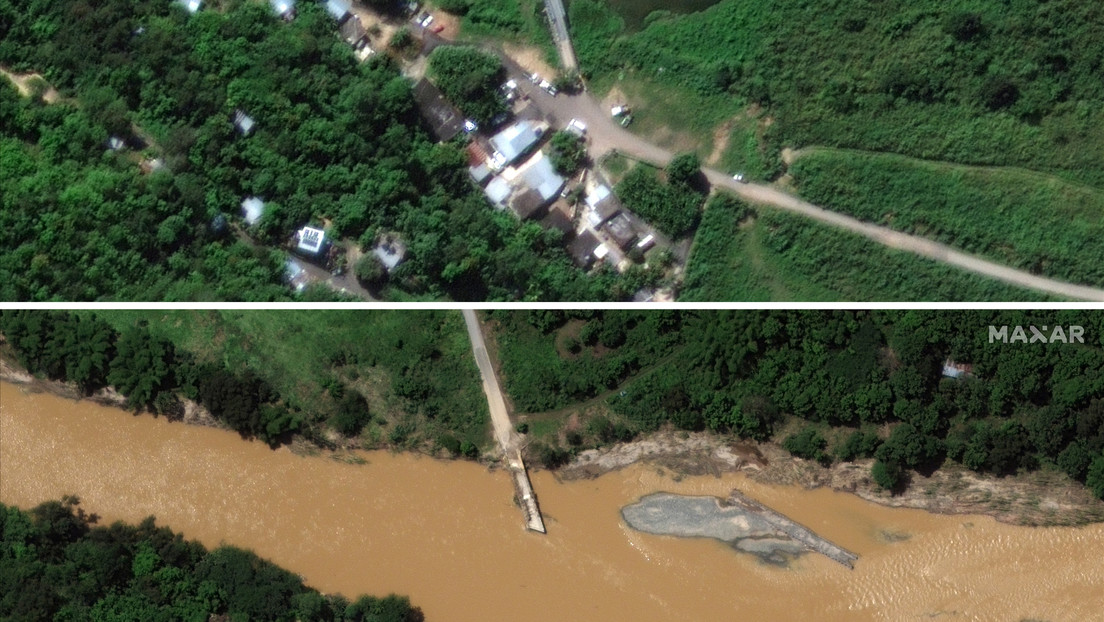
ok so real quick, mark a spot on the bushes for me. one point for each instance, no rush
(808, 444)
(675, 209)
(567, 152)
(469, 77)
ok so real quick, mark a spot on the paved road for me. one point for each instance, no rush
(500, 417)
(558, 18)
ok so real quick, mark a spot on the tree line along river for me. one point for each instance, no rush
(448, 535)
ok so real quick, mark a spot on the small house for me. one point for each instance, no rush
(602, 205)
(338, 9)
(558, 218)
(252, 210)
(582, 249)
(951, 369)
(390, 251)
(444, 120)
(190, 5)
(539, 174)
(498, 191)
(285, 9)
(310, 241)
(353, 32)
(621, 231)
(515, 141)
(243, 122)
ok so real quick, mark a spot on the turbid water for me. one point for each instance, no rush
(448, 535)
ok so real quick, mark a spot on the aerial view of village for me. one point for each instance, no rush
(624, 465)
(523, 150)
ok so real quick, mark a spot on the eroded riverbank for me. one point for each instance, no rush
(1033, 499)
(446, 535)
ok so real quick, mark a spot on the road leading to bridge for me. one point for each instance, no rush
(504, 430)
(557, 17)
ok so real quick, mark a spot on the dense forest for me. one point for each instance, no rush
(377, 379)
(57, 564)
(335, 142)
(871, 382)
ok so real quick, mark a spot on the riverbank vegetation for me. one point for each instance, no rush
(740, 253)
(56, 563)
(379, 379)
(334, 143)
(866, 383)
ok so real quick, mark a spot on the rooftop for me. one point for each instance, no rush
(191, 5)
(582, 248)
(621, 230)
(353, 32)
(527, 204)
(539, 175)
(252, 209)
(444, 120)
(243, 122)
(338, 9)
(512, 142)
(310, 240)
(498, 191)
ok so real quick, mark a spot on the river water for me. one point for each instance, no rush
(448, 534)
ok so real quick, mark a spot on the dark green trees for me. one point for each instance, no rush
(470, 78)
(568, 152)
(54, 565)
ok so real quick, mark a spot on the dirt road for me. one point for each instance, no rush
(604, 136)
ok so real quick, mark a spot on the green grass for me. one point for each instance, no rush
(302, 353)
(780, 256)
(1028, 220)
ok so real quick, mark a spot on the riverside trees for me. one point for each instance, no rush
(55, 564)
(844, 374)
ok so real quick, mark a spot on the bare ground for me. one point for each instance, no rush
(24, 84)
(1041, 498)
(530, 58)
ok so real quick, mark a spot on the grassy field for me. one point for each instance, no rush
(1021, 218)
(772, 255)
(414, 368)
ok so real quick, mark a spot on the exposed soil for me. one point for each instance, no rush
(721, 135)
(530, 58)
(1039, 499)
(23, 83)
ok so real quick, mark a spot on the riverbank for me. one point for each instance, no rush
(1041, 498)
(191, 412)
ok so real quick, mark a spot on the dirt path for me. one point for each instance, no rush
(22, 82)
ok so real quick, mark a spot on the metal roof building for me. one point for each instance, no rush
(514, 141)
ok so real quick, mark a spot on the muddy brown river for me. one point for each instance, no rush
(448, 534)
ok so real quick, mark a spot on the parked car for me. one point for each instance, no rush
(617, 111)
(576, 126)
(535, 78)
(470, 126)
(739, 177)
(548, 87)
(626, 120)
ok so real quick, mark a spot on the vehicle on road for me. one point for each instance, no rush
(739, 177)
(426, 22)
(548, 87)
(535, 78)
(576, 127)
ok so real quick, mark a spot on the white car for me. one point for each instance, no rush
(617, 111)
(576, 126)
(427, 21)
(535, 78)
(548, 88)
(470, 126)
(739, 177)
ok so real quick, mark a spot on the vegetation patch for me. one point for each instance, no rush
(1037, 223)
(739, 254)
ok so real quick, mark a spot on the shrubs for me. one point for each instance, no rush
(808, 444)
(674, 208)
(469, 78)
